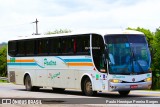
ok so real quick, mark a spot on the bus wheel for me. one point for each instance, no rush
(29, 86)
(58, 89)
(87, 88)
(124, 93)
(28, 83)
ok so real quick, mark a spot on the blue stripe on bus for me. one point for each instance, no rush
(24, 64)
(78, 60)
(61, 59)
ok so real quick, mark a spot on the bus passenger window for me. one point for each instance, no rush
(64, 45)
(75, 46)
(21, 48)
(70, 46)
(12, 48)
(83, 44)
(54, 46)
(30, 46)
(42, 47)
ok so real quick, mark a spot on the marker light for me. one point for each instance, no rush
(102, 70)
(115, 80)
(148, 79)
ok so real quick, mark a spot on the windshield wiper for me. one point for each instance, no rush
(133, 56)
(134, 59)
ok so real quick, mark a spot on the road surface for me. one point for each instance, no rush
(75, 98)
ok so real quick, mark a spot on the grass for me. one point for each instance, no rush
(3, 81)
(153, 90)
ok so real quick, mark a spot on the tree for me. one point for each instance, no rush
(58, 31)
(3, 61)
(156, 46)
(156, 60)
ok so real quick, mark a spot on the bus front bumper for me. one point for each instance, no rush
(129, 86)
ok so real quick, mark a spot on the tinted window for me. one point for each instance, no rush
(98, 51)
(64, 45)
(116, 39)
(83, 44)
(42, 46)
(71, 45)
(137, 39)
(20, 48)
(30, 47)
(12, 51)
(124, 38)
(54, 46)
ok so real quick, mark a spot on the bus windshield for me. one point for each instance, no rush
(128, 54)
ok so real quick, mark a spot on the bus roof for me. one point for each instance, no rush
(100, 32)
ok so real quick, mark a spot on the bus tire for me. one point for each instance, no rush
(87, 88)
(28, 84)
(123, 93)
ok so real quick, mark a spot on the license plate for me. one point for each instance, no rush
(133, 86)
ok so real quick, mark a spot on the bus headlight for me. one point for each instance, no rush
(115, 80)
(148, 79)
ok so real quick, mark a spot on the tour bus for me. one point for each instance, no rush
(92, 62)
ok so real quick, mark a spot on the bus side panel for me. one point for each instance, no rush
(19, 73)
(41, 77)
(69, 78)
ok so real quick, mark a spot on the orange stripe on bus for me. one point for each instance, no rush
(24, 60)
(80, 64)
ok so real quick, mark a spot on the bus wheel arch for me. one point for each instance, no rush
(86, 86)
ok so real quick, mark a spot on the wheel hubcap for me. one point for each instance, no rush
(88, 86)
(27, 83)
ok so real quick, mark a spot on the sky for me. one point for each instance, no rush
(16, 16)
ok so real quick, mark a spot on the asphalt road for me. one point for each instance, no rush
(75, 98)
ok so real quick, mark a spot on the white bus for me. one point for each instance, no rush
(89, 62)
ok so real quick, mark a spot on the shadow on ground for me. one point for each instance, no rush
(79, 93)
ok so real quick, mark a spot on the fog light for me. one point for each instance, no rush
(115, 80)
(148, 79)
(113, 87)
